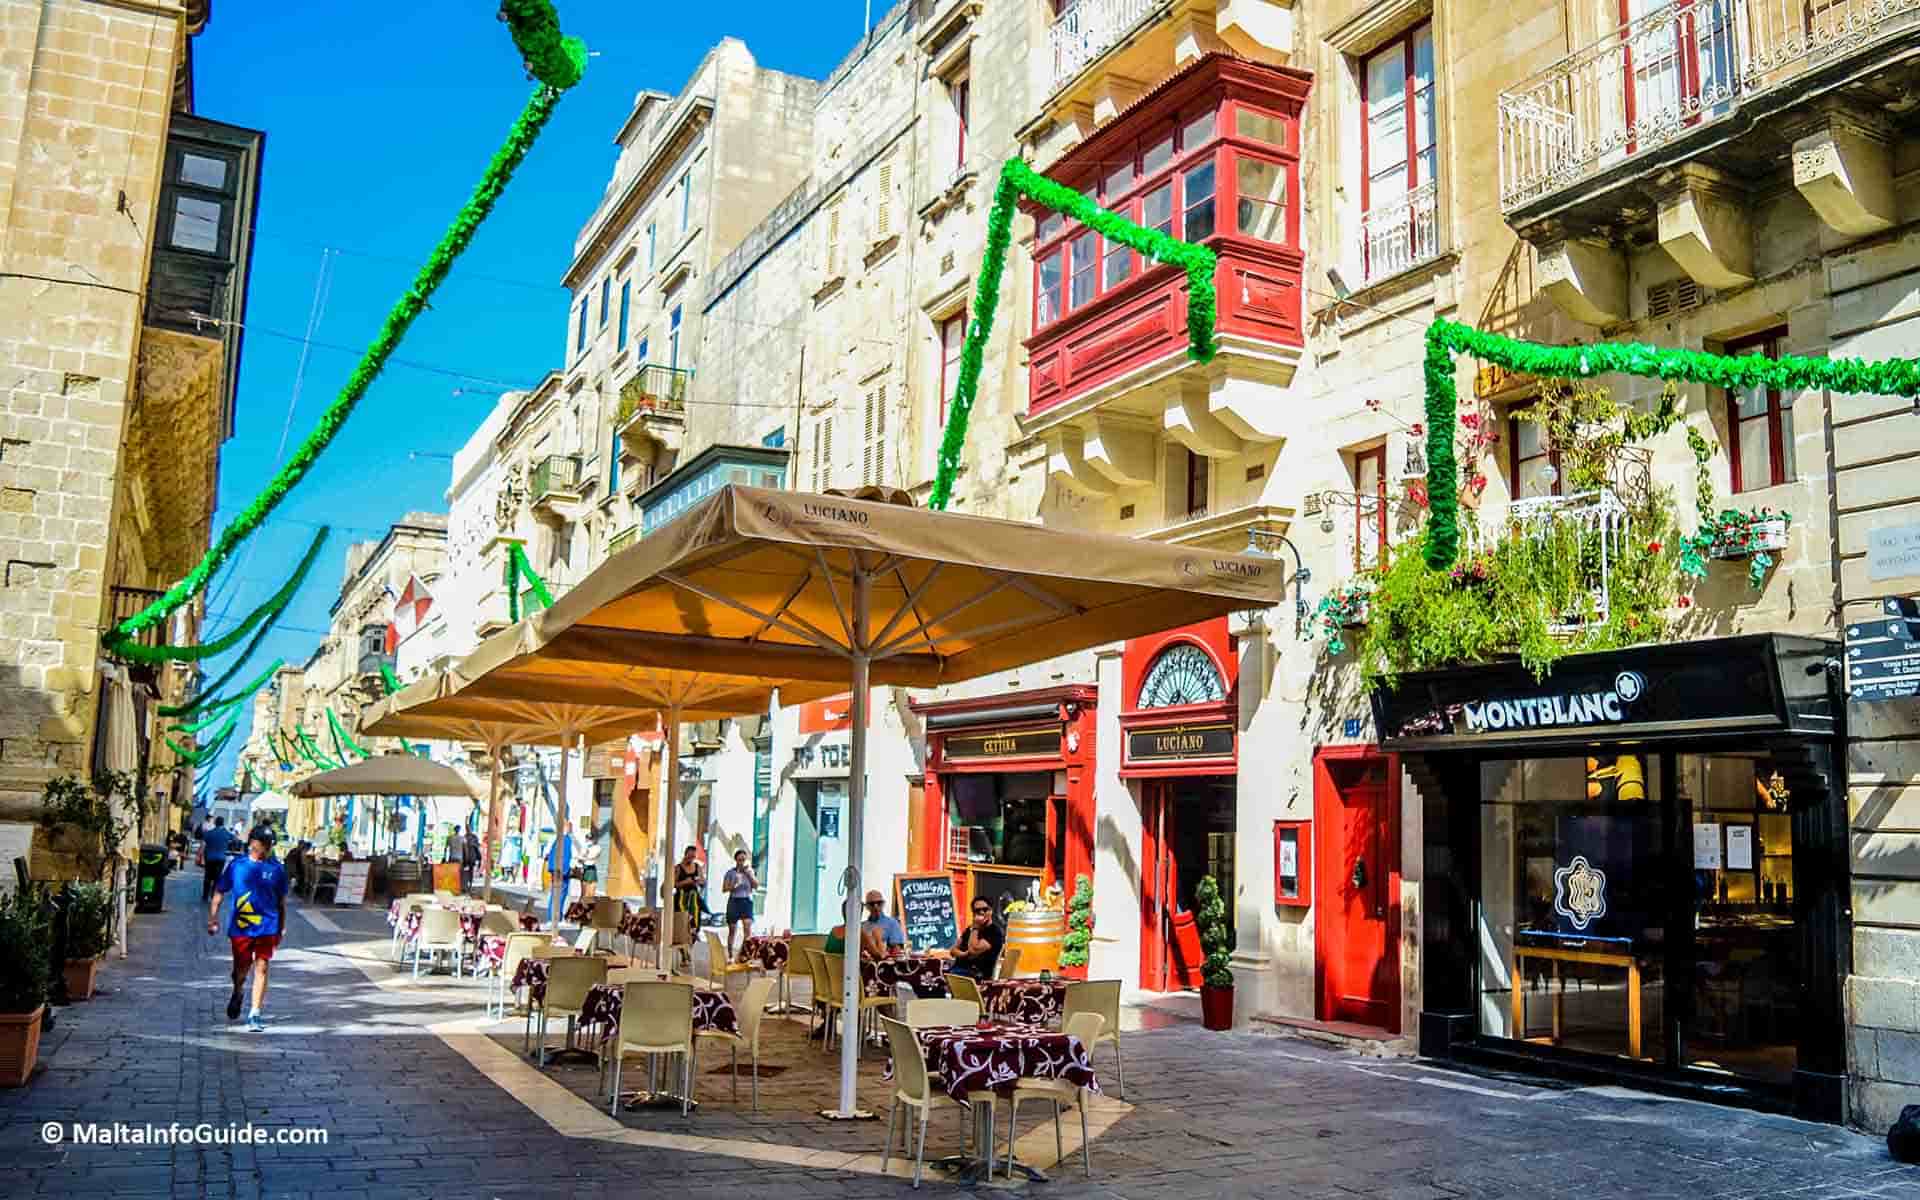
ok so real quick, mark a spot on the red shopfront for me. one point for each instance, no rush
(1180, 748)
(1008, 802)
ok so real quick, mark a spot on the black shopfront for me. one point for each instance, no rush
(1636, 867)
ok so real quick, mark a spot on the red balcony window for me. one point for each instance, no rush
(1212, 157)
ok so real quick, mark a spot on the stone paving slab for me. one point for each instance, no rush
(396, 1073)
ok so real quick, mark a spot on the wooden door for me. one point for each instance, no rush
(1157, 883)
(1356, 812)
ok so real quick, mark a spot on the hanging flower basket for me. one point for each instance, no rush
(1743, 540)
(1343, 608)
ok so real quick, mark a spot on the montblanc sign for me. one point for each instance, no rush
(1608, 707)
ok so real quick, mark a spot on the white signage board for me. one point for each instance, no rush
(1893, 552)
(1706, 846)
(353, 883)
(1739, 847)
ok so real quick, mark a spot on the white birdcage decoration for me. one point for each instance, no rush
(1597, 513)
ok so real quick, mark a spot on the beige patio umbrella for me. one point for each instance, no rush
(510, 673)
(435, 707)
(810, 589)
(387, 775)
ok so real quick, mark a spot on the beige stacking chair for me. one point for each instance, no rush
(520, 946)
(826, 996)
(829, 976)
(752, 1009)
(439, 933)
(544, 948)
(797, 962)
(400, 927)
(913, 1087)
(1099, 996)
(1060, 1093)
(1009, 963)
(569, 979)
(921, 1014)
(719, 967)
(966, 987)
(655, 1018)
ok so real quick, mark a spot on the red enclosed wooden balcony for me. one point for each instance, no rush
(1211, 157)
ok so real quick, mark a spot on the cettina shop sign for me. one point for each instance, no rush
(1551, 710)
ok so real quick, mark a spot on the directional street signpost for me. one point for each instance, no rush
(1883, 654)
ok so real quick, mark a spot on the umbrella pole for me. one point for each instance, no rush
(856, 805)
(556, 903)
(669, 800)
(493, 822)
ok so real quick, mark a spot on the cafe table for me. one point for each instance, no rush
(926, 975)
(1025, 1001)
(992, 1058)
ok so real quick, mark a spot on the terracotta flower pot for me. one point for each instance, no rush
(1216, 1007)
(80, 973)
(19, 1046)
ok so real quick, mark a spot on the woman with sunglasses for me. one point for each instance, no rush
(977, 952)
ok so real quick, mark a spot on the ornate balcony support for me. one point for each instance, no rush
(1704, 225)
(1842, 165)
(1122, 451)
(1189, 419)
(1067, 463)
(1586, 279)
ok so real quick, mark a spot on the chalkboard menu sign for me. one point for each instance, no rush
(927, 910)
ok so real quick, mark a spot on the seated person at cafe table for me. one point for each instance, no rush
(836, 939)
(881, 935)
(977, 952)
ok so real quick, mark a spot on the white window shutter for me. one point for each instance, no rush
(883, 201)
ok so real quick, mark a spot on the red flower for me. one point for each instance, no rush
(1417, 429)
(1683, 602)
(1653, 547)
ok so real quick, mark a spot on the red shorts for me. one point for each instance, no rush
(248, 949)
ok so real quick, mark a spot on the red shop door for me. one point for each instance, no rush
(1170, 957)
(1356, 803)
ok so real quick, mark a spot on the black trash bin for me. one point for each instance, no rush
(150, 885)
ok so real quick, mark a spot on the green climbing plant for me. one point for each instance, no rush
(1077, 946)
(1017, 179)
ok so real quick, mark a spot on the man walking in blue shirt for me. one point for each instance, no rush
(215, 845)
(258, 885)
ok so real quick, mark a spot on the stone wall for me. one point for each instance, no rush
(85, 98)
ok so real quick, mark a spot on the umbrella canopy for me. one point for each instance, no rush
(388, 775)
(847, 592)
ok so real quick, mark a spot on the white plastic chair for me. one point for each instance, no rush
(519, 947)
(752, 1009)
(1100, 996)
(1061, 1094)
(439, 934)
(655, 1018)
(914, 1088)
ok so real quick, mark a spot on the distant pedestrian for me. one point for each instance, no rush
(739, 884)
(258, 885)
(215, 845)
(469, 859)
(590, 866)
(689, 886)
(560, 868)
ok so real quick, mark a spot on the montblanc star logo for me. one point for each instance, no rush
(1580, 892)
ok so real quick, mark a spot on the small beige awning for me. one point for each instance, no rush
(388, 775)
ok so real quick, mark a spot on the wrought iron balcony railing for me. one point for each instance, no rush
(1675, 70)
(1400, 235)
(1089, 28)
(653, 388)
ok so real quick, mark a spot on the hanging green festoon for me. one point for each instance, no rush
(208, 702)
(267, 613)
(1017, 179)
(554, 60)
(1446, 339)
(519, 568)
(342, 741)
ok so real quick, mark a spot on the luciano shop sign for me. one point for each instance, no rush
(1609, 707)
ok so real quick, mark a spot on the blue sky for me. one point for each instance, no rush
(379, 118)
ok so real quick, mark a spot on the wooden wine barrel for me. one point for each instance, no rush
(1037, 934)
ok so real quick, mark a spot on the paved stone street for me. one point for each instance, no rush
(407, 1080)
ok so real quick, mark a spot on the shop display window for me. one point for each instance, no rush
(1003, 816)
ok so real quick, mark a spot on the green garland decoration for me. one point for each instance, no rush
(254, 780)
(1446, 339)
(519, 568)
(213, 708)
(209, 718)
(267, 613)
(312, 752)
(199, 755)
(388, 678)
(1017, 179)
(342, 738)
(557, 62)
(209, 697)
(282, 751)
(207, 691)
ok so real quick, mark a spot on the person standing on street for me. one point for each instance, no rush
(560, 869)
(590, 865)
(258, 884)
(739, 884)
(215, 845)
(469, 859)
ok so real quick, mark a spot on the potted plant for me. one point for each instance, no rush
(1076, 948)
(85, 823)
(25, 941)
(89, 932)
(1216, 976)
(1344, 608)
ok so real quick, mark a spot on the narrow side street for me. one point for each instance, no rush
(408, 1087)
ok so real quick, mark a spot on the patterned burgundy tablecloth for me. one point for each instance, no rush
(529, 922)
(642, 927)
(770, 952)
(926, 976)
(712, 1010)
(969, 1059)
(579, 912)
(469, 925)
(1025, 1001)
(493, 951)
(531, 974)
